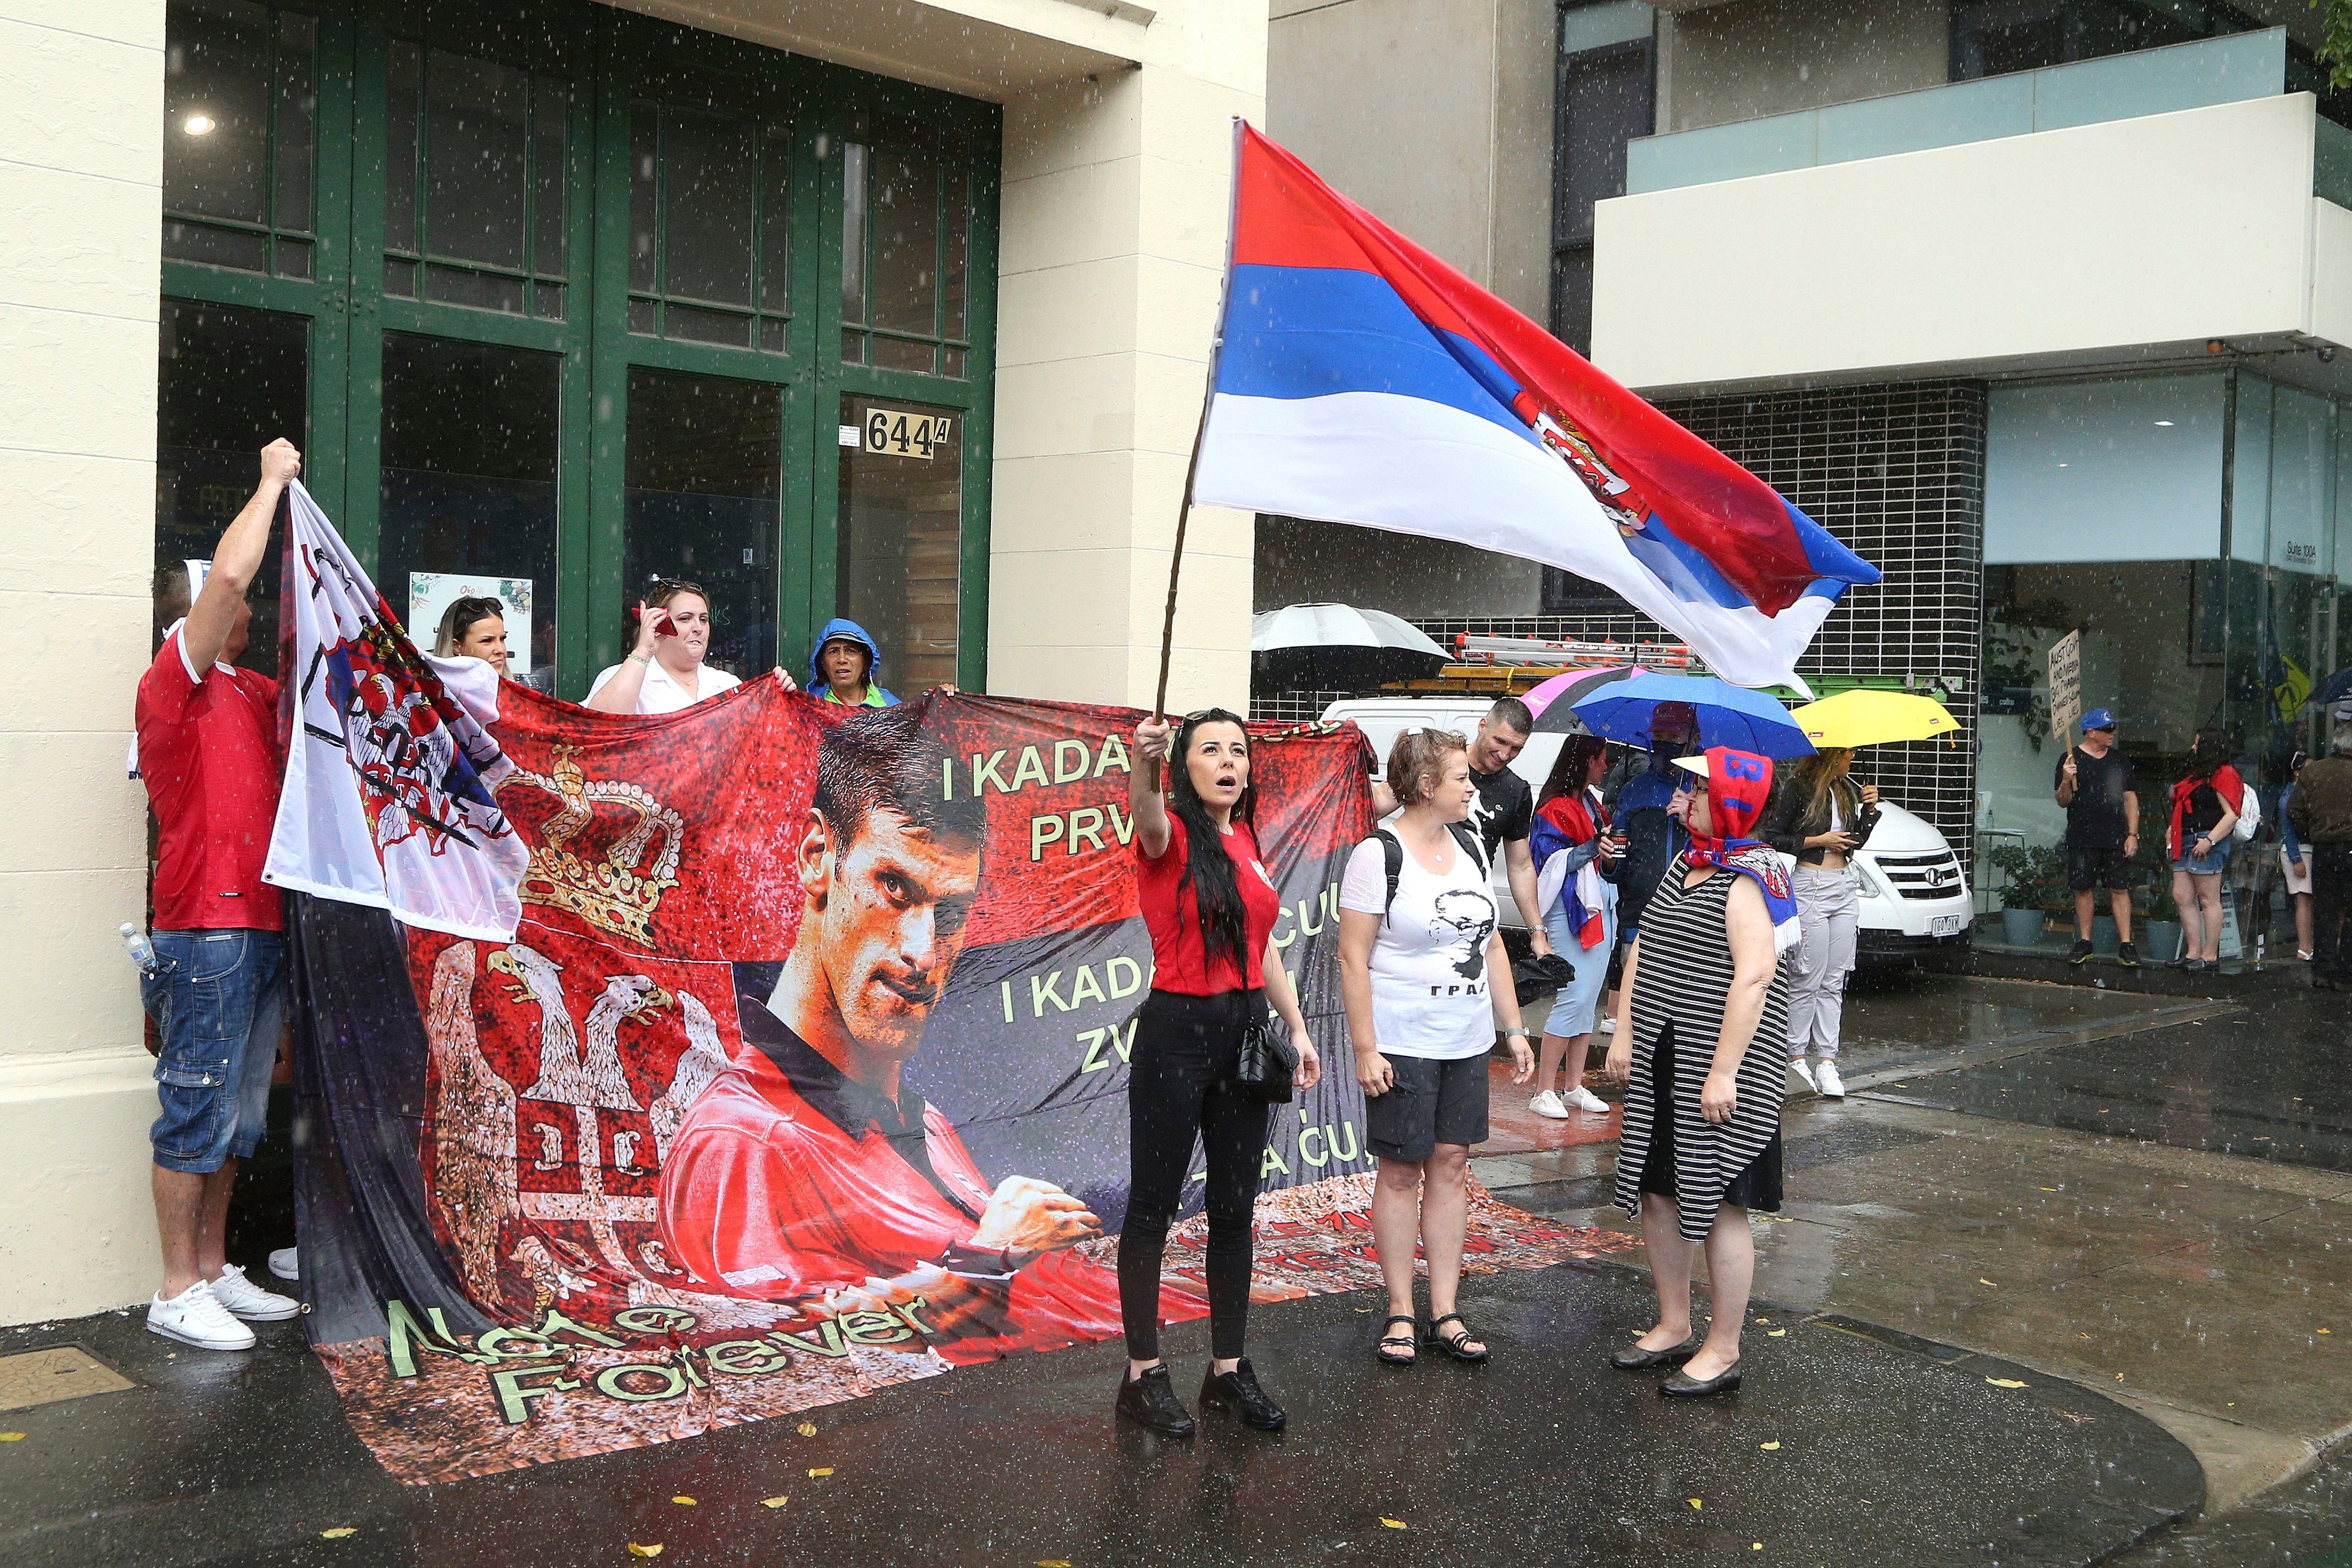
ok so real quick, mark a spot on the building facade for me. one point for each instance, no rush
(2035, 303)
(893, 311)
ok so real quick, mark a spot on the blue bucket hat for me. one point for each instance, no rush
(2098, 718)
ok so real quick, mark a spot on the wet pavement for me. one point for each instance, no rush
(1843, 1447)
(2180, 1314)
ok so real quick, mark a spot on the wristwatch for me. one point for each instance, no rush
(1523, 1034)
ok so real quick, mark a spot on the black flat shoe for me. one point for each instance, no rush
(1238, 1391)
(1683, 1386)
(1392, 1352)
(1150, 1401)
(1636, 1359)
(1452, 1344)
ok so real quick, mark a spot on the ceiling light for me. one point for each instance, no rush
(2165, 423)
(198, 125)
(2061, 466)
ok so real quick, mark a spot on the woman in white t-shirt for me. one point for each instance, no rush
(664, 671)
(1426, 982)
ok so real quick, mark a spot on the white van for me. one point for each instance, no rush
(1915, 897)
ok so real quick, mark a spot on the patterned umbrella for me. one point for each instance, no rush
(1554, 702)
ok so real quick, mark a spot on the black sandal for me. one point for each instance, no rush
(1452, 1343)
(1381, 1348)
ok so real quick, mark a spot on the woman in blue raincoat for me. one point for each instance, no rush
(846, 665)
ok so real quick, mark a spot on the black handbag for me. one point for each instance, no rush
(1268, 1062)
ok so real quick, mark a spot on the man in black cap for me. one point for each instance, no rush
(2322, 814)
(2096, 786)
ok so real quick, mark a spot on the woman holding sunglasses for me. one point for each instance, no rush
(1702, 1035)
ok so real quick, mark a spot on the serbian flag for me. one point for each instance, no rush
(389, 767)
(1361, 380)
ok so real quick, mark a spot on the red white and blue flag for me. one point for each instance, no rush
(1361, 380)
(389, 769)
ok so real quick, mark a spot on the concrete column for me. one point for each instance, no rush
(81, 171)
(1116, 193)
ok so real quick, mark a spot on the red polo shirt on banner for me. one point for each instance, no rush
(208, 754)
(789, 1180)
(1180, 962)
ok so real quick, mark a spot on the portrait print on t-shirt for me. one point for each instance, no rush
(1460, 923)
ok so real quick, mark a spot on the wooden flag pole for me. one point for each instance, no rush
(1192, 465)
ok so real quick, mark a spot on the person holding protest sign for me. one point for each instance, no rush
(2100, 792)
(1427, 983)
(1211, 907)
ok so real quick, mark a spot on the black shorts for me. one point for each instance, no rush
(1431, 1103)
(2087, 869)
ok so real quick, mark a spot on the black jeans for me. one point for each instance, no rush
(2331, 903)
(1180, 1087)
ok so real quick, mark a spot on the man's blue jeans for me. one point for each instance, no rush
(218, 1000)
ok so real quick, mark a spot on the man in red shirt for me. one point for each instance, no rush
(801, 1173)
(208, 752)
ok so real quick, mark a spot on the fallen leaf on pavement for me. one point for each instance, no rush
(338, 1532)
(774, 1501)
(1770, 1447)
(1696, 1503)
(2004, 1383)
(2323, 1331)
(687, 1500)
(637, 1551)
(12, 1436)
(807, 1428)
(1982, 1280)
(1051, 1562)
(825, 1470)
(1394, 1523)
(1776, 1334)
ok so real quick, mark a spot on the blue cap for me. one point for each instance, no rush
(2098, 718)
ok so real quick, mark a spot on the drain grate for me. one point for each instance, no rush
(63, 1372)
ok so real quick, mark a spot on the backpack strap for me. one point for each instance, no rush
(1392, 853)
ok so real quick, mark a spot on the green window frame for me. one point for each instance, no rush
(591, 70)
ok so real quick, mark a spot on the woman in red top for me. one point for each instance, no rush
(2204, 813)
(1211, 908)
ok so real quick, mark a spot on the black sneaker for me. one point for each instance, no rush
(2080, 952)
(2126, 955)
(1238, 1391)
(1150, 1401)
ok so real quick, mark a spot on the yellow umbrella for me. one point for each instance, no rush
(1873, 718)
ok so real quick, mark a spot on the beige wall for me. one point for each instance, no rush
(82, 139)
(1436, 116)
(1116, 196)
(2166, 229)
(1755, 58)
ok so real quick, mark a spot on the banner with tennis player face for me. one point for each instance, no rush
(805, 1074)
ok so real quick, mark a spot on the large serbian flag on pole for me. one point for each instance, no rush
(1361, 380)
(388, 768)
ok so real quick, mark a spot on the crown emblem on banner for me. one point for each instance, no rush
(597, 856)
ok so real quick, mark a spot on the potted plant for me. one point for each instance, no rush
(2159, 933)
(2035, 883)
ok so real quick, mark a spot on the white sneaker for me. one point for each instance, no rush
(284, 1264)
(1547, 1105)
(1832, 1085)
(1803, 1073)
(1583, 1099)
(249, 1301)
(195, 1317)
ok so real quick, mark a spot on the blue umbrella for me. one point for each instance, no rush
(1729, 715)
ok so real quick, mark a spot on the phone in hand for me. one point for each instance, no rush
(663, 626)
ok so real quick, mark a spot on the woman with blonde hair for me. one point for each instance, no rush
(1426, 983)
(1820, 817)
(670, 636)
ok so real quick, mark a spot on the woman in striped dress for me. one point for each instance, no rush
(1702, 1030)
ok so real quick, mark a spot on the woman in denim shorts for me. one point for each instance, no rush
(2204, 811)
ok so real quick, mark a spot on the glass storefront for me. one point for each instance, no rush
(568, 298)
(2186, 525)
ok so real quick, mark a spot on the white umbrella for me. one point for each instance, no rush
(1337, 626)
